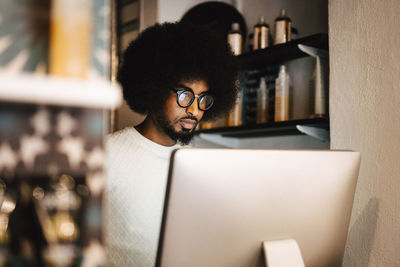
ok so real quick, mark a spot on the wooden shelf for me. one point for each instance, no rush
(282, 52)
(268, 129)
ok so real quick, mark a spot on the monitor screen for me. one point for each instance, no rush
(222, 204)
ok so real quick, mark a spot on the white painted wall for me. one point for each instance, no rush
(365, 97)
(173, 10)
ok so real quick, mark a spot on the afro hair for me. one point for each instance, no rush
(165, 55)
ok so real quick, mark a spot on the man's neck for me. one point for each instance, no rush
(149, 130)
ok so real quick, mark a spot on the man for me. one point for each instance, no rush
(177, 74)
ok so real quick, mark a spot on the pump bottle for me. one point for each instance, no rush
(283, 26)
(235, 39)
(261, 35)
(282, 95)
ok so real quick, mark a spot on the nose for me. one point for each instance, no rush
(193, 109)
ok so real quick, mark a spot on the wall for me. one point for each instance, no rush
(364, 49)
(173, 10)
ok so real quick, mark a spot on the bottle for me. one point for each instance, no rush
(319, 88)
(70, 21)
(235, 39)
(282, 95)
(319, 83)
(261, 35)
(262, 102)
(283, 28)
(235, 115)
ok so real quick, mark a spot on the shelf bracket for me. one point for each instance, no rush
(220, 140)
(318, 133)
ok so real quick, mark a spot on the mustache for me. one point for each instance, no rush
(190, 118)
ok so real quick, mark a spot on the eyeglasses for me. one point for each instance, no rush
(185, 98)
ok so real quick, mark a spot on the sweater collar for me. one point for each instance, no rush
(155, 147)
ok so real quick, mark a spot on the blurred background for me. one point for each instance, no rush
(363, 47)
(59, 99)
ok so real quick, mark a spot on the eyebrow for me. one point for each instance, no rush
(184, 87)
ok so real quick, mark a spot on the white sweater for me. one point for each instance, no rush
(134, 197)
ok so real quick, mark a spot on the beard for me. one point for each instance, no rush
(183, 137)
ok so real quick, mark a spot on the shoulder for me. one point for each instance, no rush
(118, 135)
(121, 139)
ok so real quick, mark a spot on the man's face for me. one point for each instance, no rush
(180, 123)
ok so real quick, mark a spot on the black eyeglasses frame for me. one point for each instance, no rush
(199, 97)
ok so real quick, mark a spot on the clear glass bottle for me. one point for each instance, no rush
(261, 35)
(235, 39)
(282, 95)
(283, 28)
(262, 102)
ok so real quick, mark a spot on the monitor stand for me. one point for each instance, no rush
(282, 253)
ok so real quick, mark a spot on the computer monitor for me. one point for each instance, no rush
(222, 204)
